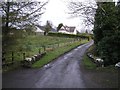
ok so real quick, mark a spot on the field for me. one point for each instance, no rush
(17, 48)
(50, 56)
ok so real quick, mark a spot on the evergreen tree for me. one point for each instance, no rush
(118, 16)
(105, 20)
(106, 34)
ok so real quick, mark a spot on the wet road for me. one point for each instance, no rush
(64, 72)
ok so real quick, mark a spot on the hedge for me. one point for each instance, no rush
(68, 35)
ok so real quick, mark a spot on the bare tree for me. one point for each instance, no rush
(48, 27)
(20, 14)
(86, 10)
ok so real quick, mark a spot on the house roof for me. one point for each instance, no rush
(42, 29)
(39, 29)
(71, 29)
(68, 29)
(53, 30)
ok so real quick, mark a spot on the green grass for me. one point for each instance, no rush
(50, 56)
(88, 63)
(104, 76)
(30, 44)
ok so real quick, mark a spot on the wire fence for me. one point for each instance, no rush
(13, 57)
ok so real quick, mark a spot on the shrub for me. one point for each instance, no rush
(108, 49)
(69, 35)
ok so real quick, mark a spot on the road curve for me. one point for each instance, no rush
(64, 72)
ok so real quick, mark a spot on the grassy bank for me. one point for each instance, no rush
(106, 77)
(30, 45)
(17, 48)
(90, 65)
(50, 56)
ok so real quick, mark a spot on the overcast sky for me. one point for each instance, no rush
(57, 12)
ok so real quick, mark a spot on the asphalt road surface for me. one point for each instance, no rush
(64, 72)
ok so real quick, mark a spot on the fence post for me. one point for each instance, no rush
(88, 39)
(12, 57)
(39, 50)
(44, 48)
(3, 56)
(23, 56)
(53, 46)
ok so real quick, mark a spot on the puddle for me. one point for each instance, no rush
(75, 49)
(65, 57)
(69, 54)
(47, 66)
(79, 47)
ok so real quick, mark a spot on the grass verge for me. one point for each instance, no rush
(106, 77)
(90, 65)
(50, 56)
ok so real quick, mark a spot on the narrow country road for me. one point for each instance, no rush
(64, 72)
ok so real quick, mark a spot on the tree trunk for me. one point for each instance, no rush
(7, 18)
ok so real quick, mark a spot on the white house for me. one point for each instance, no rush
(68, 30)
(39, 31)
